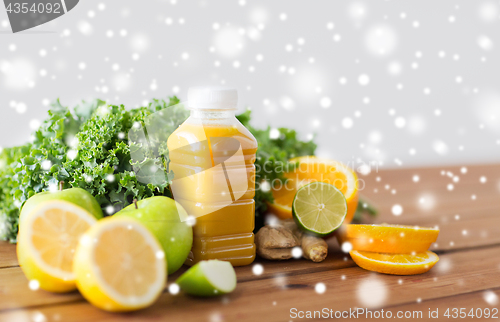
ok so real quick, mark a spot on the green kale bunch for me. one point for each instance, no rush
(89, 147)
(85, 147)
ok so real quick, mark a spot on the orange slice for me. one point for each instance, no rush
(384, 238)
(312, 169)
(395, 264)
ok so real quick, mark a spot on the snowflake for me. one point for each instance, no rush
(381, 40)
(490, 297)
(257, 269)
(488, 12)
(320, 288)
(297, 252)
(372, 292)
(363, 79)
(347, 122)
(400, 122)
(484, 42)
(173, 289)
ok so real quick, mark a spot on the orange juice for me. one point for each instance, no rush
(212, 157)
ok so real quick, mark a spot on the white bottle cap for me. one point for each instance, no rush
(212, 97)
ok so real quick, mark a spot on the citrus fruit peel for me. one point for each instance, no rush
(396, 239)
(395, 264)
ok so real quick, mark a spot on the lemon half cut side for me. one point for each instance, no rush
(120, 265)
(47, 241)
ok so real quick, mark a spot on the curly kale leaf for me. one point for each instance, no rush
(90, 147)
(85, 147)
(37, 166)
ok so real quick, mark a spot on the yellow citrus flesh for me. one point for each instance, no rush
(47, 241)
(395, 264)
(311, 169)
(395, 239)
(119, 265)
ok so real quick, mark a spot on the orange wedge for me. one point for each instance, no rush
(311, 169)
(395, 239)
(395, 264)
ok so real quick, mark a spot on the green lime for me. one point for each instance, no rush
(319, 208)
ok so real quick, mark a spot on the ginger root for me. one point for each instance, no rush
(314, 248)
(277, 242)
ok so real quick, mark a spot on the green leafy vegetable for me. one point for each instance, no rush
(272, 160)
(88, 147)
(365, 208)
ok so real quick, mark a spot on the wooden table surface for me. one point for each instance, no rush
(467, 275)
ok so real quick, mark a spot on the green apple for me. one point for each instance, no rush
(161, 216)
(77, 196)
(208, 278)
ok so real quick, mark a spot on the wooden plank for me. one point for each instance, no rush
(430, 178)
(434, 175)
(15, 293)
(8, 257)
(427, 201)
(286, 284)
(464, 221)
(335, 260)
(271, 299)
(479, 300)
(468, 234)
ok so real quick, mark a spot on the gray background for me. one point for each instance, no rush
(432, 68)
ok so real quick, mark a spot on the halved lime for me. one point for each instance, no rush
(319, 208)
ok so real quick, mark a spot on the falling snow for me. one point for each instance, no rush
(372, 292)
(320, 288)
(381, 40)
(363, 79)
(397, 210)
(257, 269)
(490, 297)
(297, 252)
(336, 79)
(346, 247)
(34, 285)
(173, 289)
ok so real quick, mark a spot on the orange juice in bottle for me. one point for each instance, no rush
(212, 157)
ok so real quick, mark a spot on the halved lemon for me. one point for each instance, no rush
(47, 241)
(386, 238)
(119, 265)
(312, 169)
(395, 264)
